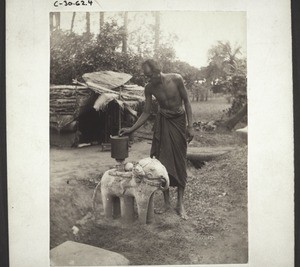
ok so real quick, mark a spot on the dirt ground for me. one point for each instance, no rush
(215, 199)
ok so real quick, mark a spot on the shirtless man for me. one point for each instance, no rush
(171, 131)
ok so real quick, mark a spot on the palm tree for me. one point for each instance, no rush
(72, 22)
(224, 58)
(88, 22)
(224, 64)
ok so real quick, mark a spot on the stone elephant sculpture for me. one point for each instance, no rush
(139, 183)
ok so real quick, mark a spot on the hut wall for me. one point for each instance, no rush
(73, 106)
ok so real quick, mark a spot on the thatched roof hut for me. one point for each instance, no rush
(89, 111)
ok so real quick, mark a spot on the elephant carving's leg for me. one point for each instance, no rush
(143, 202)
(127, 208)
(116, 207)
(142, 206)
(150, 215)
(107, 201)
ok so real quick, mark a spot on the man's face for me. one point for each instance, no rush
(147, 70)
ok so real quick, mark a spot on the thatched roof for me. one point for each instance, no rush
(112, 82)
(107, 79)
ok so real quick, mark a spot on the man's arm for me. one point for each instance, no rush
(186, 101)
(187, 106)
(144, 116)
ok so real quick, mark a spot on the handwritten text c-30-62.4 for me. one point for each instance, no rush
(73, 3)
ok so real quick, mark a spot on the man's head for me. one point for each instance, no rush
(151, 68)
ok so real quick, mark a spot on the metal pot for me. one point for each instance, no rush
(119, 147)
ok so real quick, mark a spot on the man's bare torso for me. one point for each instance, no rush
(167, 92)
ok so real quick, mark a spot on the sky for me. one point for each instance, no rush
(196, 31)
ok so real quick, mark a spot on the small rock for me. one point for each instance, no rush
(75, 230)
(223, 194)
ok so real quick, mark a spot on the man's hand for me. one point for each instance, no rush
(124, 131)
(190, 134)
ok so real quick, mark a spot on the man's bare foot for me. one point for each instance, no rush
(181, 212)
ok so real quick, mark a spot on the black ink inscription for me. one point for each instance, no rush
(73, 3)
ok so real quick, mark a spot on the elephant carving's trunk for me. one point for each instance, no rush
(165, 183)
(161, 182)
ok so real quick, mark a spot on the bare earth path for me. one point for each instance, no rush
(216, 202)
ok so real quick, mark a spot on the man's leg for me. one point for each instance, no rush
(180, 208)
(167, 203)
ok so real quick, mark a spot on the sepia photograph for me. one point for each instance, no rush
(148, 138)
(149, 133)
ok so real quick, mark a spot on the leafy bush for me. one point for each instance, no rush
(72, 55)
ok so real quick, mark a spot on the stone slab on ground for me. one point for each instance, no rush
(72, 253)
(206, 153)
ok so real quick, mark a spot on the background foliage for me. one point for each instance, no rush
(74, 54)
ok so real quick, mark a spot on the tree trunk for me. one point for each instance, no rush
(72, 22)
(139, 46)
(206, 94)
(233, 121)
(101, 21)
(88, 23)
(125, 33)
(156, 31)
(57, 20)
(51, 21)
